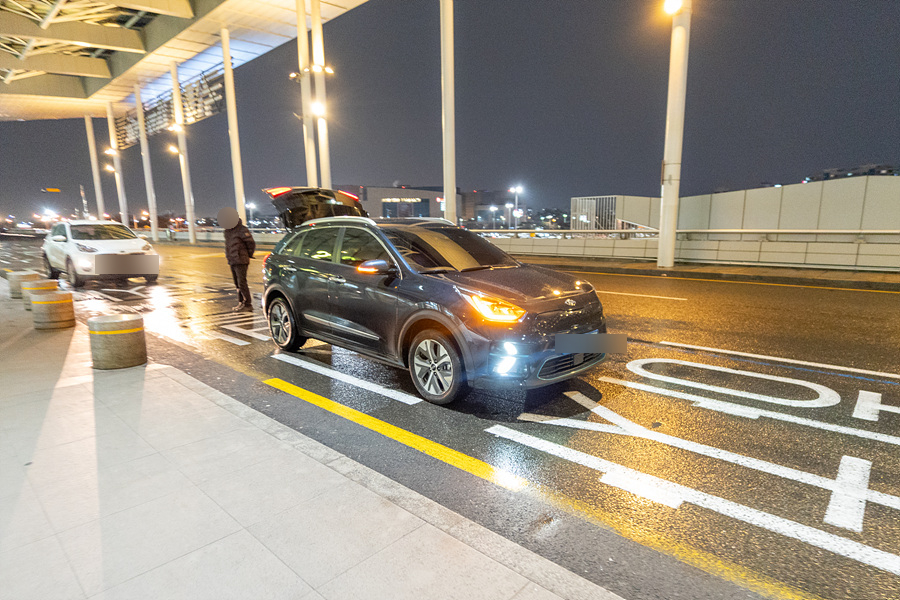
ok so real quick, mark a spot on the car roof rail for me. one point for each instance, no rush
(432, 221)
(340, 219)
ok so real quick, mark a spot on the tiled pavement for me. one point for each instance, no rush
(146, 483)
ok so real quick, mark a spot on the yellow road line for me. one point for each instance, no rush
(796, 285)
(450, 456)
(115, 332)
(622, 525)
(69, 301)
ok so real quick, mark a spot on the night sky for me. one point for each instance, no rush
(566, 98)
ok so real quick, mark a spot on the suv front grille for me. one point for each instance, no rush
(586, 318)
(560, 365)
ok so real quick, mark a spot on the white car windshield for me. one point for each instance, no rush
(101, 232)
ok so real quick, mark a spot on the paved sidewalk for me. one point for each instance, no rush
(146, 483)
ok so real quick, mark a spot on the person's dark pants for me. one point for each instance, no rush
(239, 274)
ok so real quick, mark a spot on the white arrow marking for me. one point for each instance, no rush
(849, 491)
(754, 413)
(809, 535)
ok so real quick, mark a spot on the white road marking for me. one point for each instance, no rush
(644, 487)
(846, 509)
(639, 295)
(227, 338)
(844, 486)
(827, 396)
(868, 405)
(785, 360)
(246, 332)
(755, 413)
(809, 535)
(366, 385)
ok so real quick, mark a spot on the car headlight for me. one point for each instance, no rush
(494, 309)
(84, 248)
(147, 248)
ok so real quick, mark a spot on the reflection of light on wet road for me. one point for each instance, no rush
(163, 320)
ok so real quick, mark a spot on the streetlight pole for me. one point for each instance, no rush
(516, 190)
(493, 217)
(250, 206)
(509, 206)
(671, 167)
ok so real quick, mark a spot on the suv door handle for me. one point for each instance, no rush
(289, 269)
(338, 279)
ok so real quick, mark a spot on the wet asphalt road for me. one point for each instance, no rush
(675, 471)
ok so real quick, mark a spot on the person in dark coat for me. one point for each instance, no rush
(239, 248)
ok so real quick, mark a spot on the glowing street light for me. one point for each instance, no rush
(318, 109)
(509, 206)
(173, 149)
(250, 206)
(673, 6)
(110, 168)
(516, 190)
(493, 220)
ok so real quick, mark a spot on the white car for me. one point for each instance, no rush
(86, 250)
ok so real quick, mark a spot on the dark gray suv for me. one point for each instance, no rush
(430, 297)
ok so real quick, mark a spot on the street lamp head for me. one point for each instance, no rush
(110, 151)
(493, 209)
(509, 205)
(175, 127)
(172, 149)
(110, 168)
(673, 6)
(250, 205)
(318, 109)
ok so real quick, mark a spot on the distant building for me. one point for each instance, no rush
(403, 201)
(477, 208)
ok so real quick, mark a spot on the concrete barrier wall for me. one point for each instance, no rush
(842, 255)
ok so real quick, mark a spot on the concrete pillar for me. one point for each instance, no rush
(178, 110)
(95, 165)
(117, 165)
(305, 73)
(237, 170)
(318, 67)
(148, 172)
(448, 110)
(53, 310)
(671, 169)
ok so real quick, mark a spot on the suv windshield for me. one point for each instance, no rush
(446, 248)
(101, 232)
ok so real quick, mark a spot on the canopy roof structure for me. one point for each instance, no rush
(64, 59)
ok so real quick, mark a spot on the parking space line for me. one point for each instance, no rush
(674, 492)
(246, 332)
(780, 359)
(443, 453)
(227, 338)
(639, 295)
(328, 372)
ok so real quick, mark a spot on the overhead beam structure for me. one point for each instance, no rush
(75, 33)
(171, 8)
(60, 64)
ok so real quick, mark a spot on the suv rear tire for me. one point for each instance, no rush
(435, 367)
(48, 268)
(72, 275)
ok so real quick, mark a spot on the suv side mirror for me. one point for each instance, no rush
(378, 266)
(143, 236)
(59, 238)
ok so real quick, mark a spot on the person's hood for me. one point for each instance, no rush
(239, 224)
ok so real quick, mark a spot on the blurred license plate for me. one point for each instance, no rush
(128, 264)
(590, 343)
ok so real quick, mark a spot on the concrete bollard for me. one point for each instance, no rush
(37, 286)
(117, 341)
(15, 279)
(53, 310)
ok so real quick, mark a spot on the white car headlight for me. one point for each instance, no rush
(147, 248)
(84, 248)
